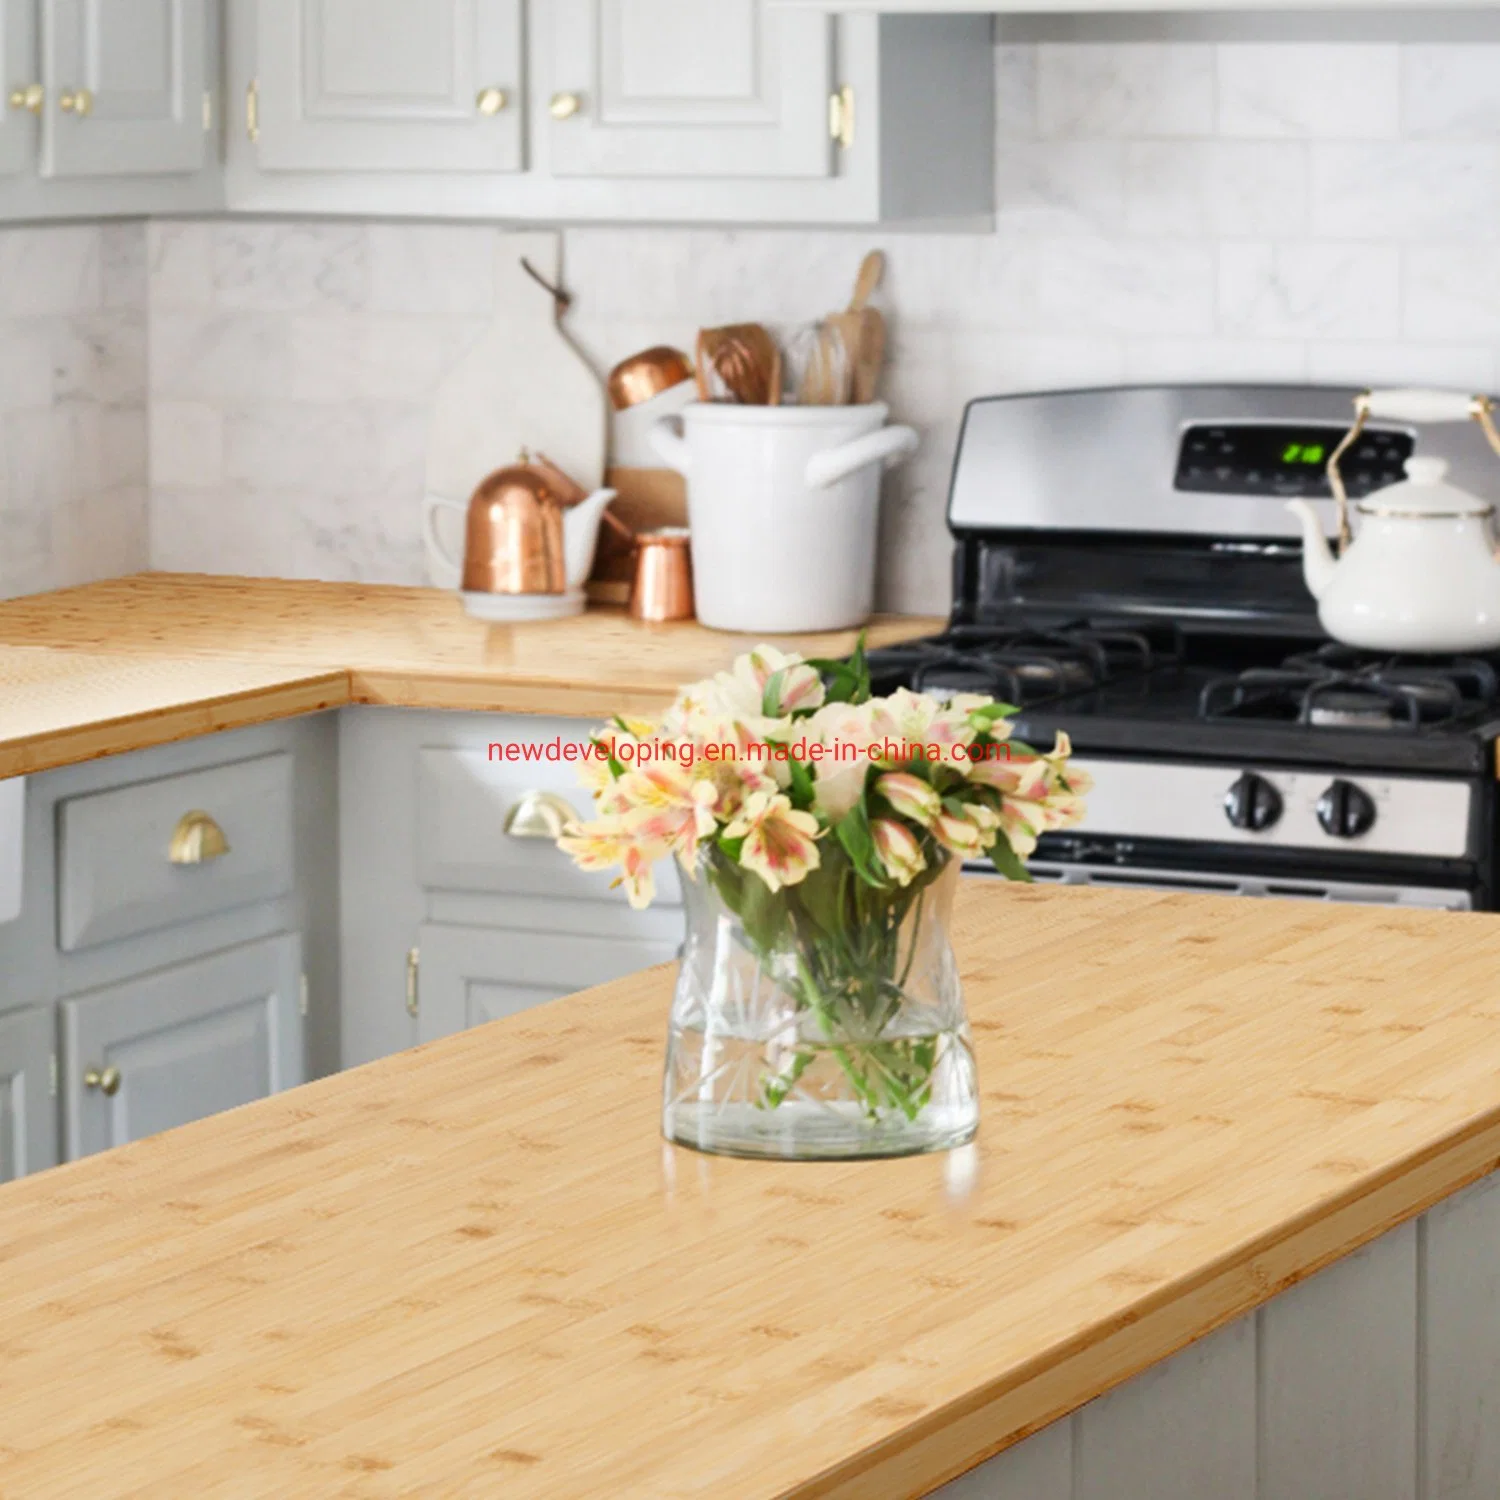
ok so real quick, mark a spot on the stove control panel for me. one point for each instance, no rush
(1346, 811)
(1278, 807)
(1284, 459)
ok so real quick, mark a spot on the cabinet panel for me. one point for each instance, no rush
(674, 88)
(18, 71)
(389, 85)
(187, 1041)
(470, 975)
(144, 66)
(28, 1112)
(115, 877)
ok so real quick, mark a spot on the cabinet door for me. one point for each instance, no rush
(136, 76)
(389, 85)
(186, 1042)
(470, 975)
(677, 88)
(28, 1112)
(18, 72)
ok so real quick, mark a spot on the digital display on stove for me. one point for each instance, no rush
(1285, 459)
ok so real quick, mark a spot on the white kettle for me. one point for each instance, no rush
(1422, 572)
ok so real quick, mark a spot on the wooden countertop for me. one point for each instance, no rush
(138, 661)
(474, 1268)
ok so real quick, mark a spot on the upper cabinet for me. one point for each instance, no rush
(676, 88)
(589, 110)
(18, 78)
(110, 107)
(126, 87)
(388, 85)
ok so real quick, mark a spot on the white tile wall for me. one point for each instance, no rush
(1166, 210)
(73, 428)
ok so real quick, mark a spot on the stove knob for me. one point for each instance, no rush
(1345, 810)
(1252, 802)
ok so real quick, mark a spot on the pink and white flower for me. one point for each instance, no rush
(910, 796)
(779, 841)
(899, 852)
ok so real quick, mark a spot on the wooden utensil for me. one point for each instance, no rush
(862, 329)
(740, 362)
(821, 368)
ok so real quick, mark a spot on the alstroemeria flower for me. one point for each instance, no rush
(959, 836)
(778, 839)
(898, 850)
(665, 805)
(605, 843)
(910, 796)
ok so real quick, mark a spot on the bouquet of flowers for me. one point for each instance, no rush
(821, 817)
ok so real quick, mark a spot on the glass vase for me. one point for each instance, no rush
(822, 1021)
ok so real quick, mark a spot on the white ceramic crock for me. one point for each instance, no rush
(783, 505)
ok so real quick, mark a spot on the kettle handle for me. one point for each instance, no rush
(1405, 404)
(887, 445)
(431, 505)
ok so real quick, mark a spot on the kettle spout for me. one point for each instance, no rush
(581, 534)
(1318, 563)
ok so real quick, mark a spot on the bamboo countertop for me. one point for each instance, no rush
(138, 661)
(475, 1269)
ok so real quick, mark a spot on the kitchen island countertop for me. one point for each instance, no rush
(474, 1268)
(154, 657)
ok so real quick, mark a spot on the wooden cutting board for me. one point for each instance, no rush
(520, 384)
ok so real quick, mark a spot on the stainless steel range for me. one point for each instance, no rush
(1124, 570)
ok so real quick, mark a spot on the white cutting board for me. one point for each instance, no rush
(520, 384)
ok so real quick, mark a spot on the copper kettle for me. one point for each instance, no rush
(513, 538)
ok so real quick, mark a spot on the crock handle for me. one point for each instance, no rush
(665, 435)
(431, 505)
(887, 445)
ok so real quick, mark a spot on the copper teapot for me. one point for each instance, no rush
(528, 530)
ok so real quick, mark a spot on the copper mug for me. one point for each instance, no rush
(663, 586)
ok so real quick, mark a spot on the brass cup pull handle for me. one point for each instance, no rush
(564, 106)
(77, 102)
(31, 97)
(491, 101)
(541, 815)
(106, 1080)
(197, 839)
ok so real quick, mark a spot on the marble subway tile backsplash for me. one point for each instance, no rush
(73, 426)
(1165, 211)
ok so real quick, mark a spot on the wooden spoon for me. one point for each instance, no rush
(862, 329)
(740, 362)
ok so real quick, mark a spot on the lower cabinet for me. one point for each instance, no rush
(28, 1114)
(469, 975)
(164, 1048)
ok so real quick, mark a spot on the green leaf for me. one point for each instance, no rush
(1007, 861)
(801, 783)
(989, 712)
(845, 680)
(616, 770)
(853, 832)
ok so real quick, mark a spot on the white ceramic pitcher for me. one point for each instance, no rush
(783, 505)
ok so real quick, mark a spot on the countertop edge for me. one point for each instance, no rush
(950, 1442)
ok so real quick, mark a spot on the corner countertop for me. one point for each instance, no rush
(154, 657)
(475, 1268)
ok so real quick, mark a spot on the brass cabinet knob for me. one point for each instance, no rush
(491, 101)
(196, 839)
(106, 1080)
(77, 102)
(540, 815)
(564, 106)
(31, 97)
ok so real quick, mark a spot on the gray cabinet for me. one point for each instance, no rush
(675, 88)
(469, 975)
(28, 1112)
(159, 1050)
(125, 87)
(19, 85)
(389, 85)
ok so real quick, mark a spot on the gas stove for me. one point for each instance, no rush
(1125, 572)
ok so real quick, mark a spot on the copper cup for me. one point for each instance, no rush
(663, 587)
